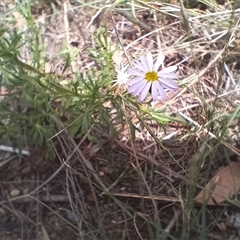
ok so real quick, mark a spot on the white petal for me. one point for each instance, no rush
(159, 62)
(139, 66)
(150, 61)
(167, 75)
(144, 63)
(134, 88)
(144, 92)
(135, 80)
(161, 91)
(154, 91)
(135, 63)
(137, 88)
(169, 84)
(135, 72)
(168, 69)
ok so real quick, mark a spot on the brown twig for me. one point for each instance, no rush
(47, 198)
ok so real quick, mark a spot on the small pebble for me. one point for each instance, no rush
(14, 193)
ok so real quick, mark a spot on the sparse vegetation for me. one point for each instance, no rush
(101, 164)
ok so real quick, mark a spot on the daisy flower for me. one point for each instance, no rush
(121, 76)
(119, 83)
(148, 77)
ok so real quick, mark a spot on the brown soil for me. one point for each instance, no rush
(97, 191)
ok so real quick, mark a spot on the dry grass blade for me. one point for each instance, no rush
(100, 183)
(157, 198)
(44, 234)
(132, 19)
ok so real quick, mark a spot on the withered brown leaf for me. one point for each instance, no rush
(222, 186)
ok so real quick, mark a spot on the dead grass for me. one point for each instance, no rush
(118, 188)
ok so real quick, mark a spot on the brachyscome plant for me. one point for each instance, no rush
(148, 77)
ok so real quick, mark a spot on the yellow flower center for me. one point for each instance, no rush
(151, 76)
